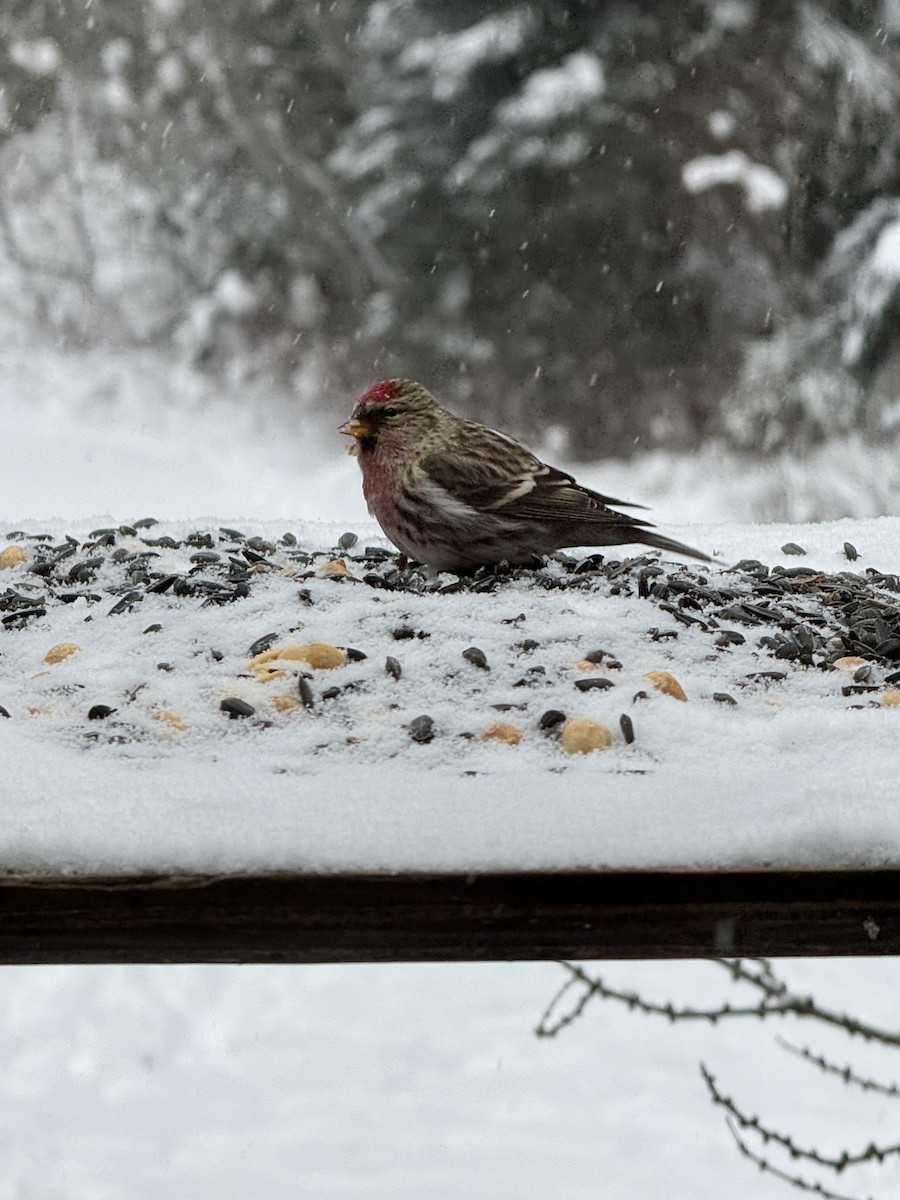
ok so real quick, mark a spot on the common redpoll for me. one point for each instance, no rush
(454, 494)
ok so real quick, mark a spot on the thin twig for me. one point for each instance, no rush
(872, 1153)
(847, 1074)
(805, 1006)
(796, 1181)
(772, 1005)
(777, 1001)
(542, 1029)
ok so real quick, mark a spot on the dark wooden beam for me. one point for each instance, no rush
(385, 918)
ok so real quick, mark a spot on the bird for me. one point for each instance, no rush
(455, 495)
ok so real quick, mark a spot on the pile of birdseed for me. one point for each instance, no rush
(133, 634)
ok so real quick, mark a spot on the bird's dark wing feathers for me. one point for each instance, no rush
(495, 473)
(557, 499)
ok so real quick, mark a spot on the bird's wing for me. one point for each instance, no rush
(492, 472)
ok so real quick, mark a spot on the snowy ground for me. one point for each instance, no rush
(390, 1081)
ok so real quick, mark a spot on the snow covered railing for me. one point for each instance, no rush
(221, 745)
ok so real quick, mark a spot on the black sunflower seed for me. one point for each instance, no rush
(126, 604)
(600, 683)
(235, 707)
(421, 729)
(729, 637)
(261, 644)
(162, 584)
(392, 667)
(97, 712)
(597, 656)
(18, 620)
(476, 657)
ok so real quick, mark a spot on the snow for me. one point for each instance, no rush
(99, 433)
(873, 294)
(41, 56)
(171, 784)
(452, 57)
(721, 123)
(555, 92)
(409, 1081)
(398, 1080)
(846, 476)
(763, 188)
(520, 124)
(831, 44)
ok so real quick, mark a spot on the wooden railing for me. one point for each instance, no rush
(382, 918)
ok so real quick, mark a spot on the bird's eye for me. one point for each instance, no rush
(389, 411)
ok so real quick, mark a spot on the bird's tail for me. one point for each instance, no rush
(663, 543)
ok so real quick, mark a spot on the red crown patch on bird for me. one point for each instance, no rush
(380, 393)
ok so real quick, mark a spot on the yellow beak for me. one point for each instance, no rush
(357, 430)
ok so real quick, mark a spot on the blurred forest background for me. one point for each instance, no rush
(614, 227)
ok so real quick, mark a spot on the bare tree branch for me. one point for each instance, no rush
(805, 1006)
(776, 1000)
(872, 1153)
(72, 140)
(34, 264)
(796, 1181)
(846, 1073)
(269, 150)
(774, 1003)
